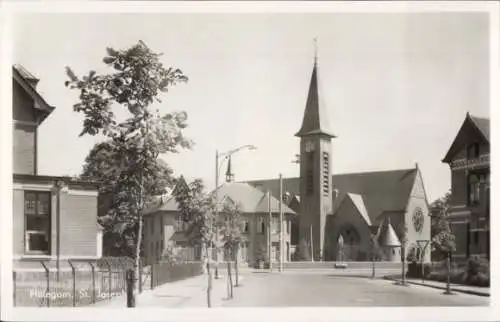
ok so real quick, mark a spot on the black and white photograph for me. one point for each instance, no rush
(248, 157)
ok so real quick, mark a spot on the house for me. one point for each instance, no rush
(164, 226)
(350, 207)
(469, 160)
(54, 218)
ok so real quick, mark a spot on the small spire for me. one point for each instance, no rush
(229, 174)
(315, 39)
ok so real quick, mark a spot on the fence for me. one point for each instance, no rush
(165, 272)
(74, 283)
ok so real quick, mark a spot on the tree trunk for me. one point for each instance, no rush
(403, 277)
(209, 288)
(236, 268)
(137, 277)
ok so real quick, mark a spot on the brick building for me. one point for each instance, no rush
(469, 161)
(53, 217)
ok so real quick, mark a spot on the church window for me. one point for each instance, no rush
(326, 180)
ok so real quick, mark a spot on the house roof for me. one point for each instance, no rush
(26, 80)
(250, 199)
(315, 119)
(471, 126)
(380, 191)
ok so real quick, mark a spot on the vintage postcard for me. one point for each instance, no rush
(211, 160)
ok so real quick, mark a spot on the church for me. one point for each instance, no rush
(346, 210)
(337, 216)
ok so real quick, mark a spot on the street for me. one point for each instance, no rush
(323, 288)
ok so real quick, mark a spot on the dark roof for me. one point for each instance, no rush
(381, 191)
(68, 180)
(472, 127)
(315, 119)
(27, 82)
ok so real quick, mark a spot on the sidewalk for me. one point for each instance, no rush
(474, 290)
(188, 293)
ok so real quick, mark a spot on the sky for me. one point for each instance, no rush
(397, 86)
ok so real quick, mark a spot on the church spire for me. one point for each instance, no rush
(315, 120)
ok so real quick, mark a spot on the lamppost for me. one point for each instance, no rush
(218, 166)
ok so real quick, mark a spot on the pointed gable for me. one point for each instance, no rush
(475, 128)
(315, 119)
(27, 82)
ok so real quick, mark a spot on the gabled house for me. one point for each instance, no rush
(164, 227)
(469, 160)
(54, 218)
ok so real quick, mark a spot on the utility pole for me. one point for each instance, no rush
(282, 253)
(269, 234)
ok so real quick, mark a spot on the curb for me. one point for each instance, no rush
(454, 289)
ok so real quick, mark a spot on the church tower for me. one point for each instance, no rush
(315, 172)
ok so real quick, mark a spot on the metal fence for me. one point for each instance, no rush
(165, 272)
(71, 283)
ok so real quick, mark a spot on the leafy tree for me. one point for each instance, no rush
(134, 84)
(230, 224)
(103, 164)
(442, 238)
(198, 210)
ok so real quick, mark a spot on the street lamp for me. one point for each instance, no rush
(218, 166)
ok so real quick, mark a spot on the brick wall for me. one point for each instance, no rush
(79, 225)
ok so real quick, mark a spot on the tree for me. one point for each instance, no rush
(230, 225)
(442, 238)
(303, 251)
(198, 211)
(134, 85)
(377, 253)
(103, 164)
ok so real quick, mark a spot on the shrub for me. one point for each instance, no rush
(477, 265)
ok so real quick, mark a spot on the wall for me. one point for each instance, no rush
(418, 200)
(78, 224)
(78, 220)
(24, 135)
(347, 215)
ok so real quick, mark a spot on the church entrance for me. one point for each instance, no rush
(349, 245)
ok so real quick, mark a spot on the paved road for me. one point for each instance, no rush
(322, 288)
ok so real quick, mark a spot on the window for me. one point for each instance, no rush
(473, 151)
(476, 237)
(261, 225)
(161, 225)
(245, 226)
(473, 189)
(288, 226)
(326, 166)
(37, 221)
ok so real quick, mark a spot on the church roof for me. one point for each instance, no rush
(471, 126)
(380, 191)
(387, 236)
(358, 202)
(315, 119)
